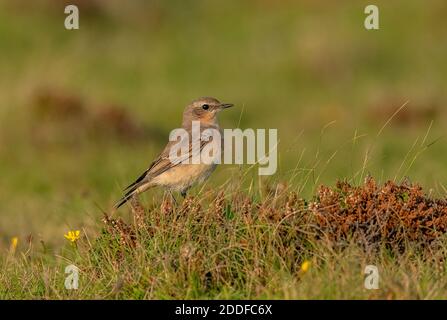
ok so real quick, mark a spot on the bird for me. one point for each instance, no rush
(178, 175)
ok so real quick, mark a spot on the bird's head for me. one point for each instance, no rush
(204, 110)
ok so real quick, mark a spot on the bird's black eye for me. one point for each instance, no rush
(205, 107)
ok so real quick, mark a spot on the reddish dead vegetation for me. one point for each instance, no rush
(389, 214)
(61, 114)
(120, 230)
(218, 219)
(373, 216)
(414, 114)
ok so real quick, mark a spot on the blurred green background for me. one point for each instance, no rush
(83, 112)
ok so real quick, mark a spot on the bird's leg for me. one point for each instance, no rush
(172, 197)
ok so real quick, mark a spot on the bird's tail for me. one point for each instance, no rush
(134, 190)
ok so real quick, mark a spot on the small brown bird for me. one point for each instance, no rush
(176, 175)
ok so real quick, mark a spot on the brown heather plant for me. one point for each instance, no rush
(118, 229)
(238, 241)
(374, 215)
(230, 243)
(138, 213)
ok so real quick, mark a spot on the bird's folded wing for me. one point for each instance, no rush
(165, 161)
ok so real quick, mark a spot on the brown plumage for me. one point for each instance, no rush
(175, 175)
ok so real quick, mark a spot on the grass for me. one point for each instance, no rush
(233, 244)
(84, 112)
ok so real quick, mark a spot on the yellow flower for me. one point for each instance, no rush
(73, 236)
(14, 242)
(305, 266)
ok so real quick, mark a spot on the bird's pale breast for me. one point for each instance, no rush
(183, 176)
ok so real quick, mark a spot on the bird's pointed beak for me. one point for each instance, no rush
(225, 105)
